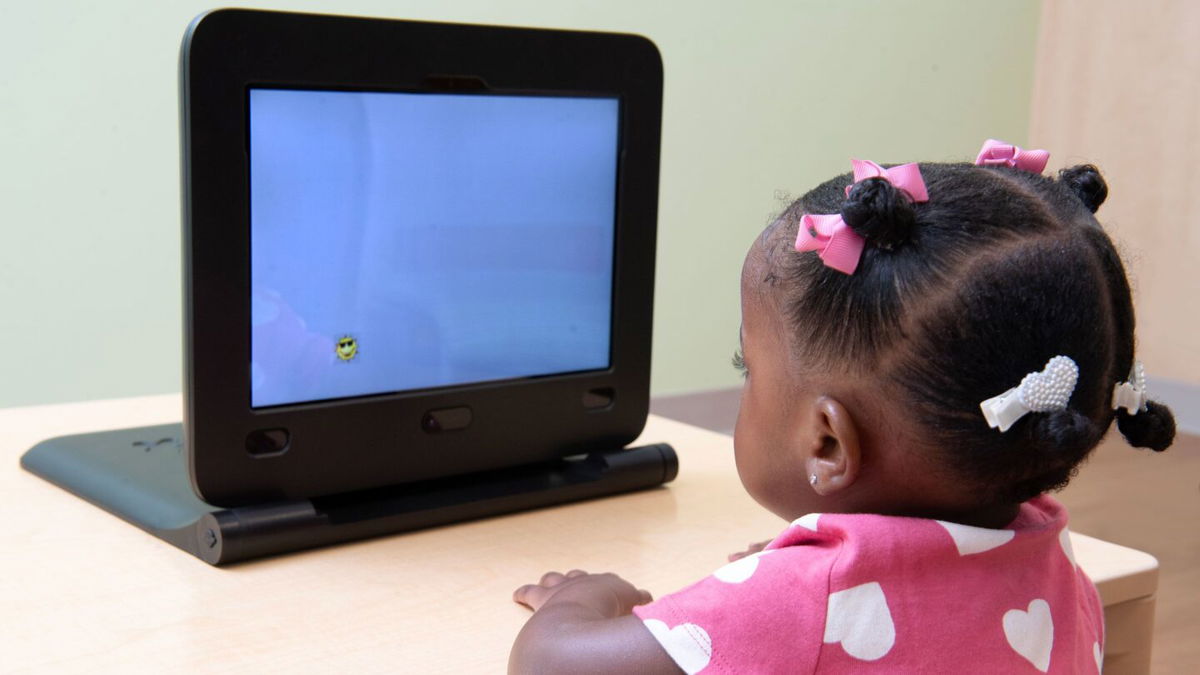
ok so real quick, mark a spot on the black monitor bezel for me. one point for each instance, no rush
(353, 444)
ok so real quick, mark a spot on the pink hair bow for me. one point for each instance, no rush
(997, 153)
(839, 246)
(907, 177)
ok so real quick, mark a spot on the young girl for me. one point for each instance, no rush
(928, 350)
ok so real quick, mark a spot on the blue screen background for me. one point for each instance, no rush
(457, 239)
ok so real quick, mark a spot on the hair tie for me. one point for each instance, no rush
(839, 246)
(999, 153)
(1131, 395)
(1043, 391)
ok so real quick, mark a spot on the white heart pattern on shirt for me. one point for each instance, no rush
(687, 644)
(808, 521)
(1031, 633)
(741, 569)
(1098, 654)
(1064, 540)
(858, 617)
(969, 540)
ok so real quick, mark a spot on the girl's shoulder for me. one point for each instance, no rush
(843, 589)
(1038, 521)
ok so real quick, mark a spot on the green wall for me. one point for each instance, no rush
(762, 99)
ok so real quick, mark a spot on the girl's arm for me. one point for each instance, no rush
(582, 623)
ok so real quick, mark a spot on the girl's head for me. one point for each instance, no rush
(875, 378)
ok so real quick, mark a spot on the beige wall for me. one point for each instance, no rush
(1118, 84)
(761, 96)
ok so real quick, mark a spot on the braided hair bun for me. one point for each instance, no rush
(1152, 428)
(1058, 440)
(1087, 184)
(1067, 433)
(880, 212)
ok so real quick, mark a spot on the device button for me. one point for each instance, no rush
(595, 399)
(267, 442)
(446, 419)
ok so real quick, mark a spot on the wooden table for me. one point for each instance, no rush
(85, 591)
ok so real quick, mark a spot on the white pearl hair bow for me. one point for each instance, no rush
(1131, 395)
(1047, 390)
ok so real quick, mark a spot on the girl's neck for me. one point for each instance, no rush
(993, 517)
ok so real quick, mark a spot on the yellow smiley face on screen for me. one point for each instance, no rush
(347, 348)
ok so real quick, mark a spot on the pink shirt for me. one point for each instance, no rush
(841, 593)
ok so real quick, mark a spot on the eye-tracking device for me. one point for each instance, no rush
(419, 264)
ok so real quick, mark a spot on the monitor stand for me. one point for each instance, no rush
(141, 476)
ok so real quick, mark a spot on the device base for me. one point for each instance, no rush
(140, 475)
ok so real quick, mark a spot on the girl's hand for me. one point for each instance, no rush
(754, 548)
(583, 624)
(608, 594)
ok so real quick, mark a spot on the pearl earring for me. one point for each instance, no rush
(812, 480)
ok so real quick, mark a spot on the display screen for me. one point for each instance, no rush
(403, 241)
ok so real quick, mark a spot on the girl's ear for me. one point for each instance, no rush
(833, 455)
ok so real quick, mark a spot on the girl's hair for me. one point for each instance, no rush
(956, 299)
